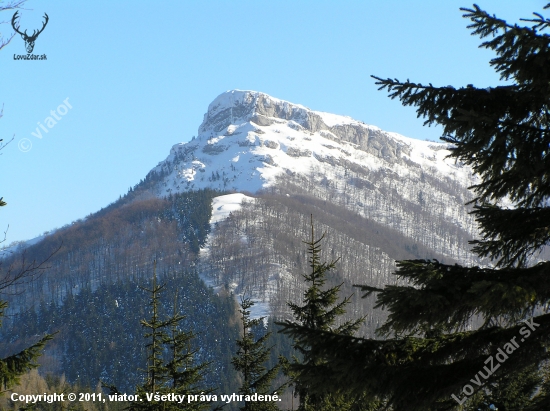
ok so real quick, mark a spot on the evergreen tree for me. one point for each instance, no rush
(319, 312)
(251, 356)
(508, 392)
(177, 375)
(14, 366)
(184, 375)
(435, 358)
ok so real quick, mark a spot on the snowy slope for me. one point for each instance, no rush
(248, 138)
(222, 207)
(250, 141)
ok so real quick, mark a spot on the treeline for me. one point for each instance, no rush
(260, 249)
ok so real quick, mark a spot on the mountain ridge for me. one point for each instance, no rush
(247, 139)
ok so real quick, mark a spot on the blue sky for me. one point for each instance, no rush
(139, 76)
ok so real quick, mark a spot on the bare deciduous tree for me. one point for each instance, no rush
(10, 5)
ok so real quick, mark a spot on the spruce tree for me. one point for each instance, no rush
(171, 367)
(433, 357)
(184, 374)
(319, 312)
(251, 356)
(14, 366)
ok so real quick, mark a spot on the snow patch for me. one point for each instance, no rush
(222, 206)
(332, 120)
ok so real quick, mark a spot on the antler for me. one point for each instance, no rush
(25, 35)
(13, 22)
(34, 35)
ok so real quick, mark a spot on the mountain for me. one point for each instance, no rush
(251, 142)
(247, 139)
(404, 196)
(232, 207)
(404, 193)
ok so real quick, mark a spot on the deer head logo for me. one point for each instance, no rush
(29, 40)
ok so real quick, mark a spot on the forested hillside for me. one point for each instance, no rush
(91, 293)
(117, 244)
(100, 336)
(259, 249)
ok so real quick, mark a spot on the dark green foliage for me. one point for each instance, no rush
(319, 312)
(252, 354)
(15, 365)
(181, 369)
(509, 392)
(155, 335)
(192, 211)
(115, 244)
(281, 343)
(503, 133)
(455, 293)
(108, 344)
(171, 365)
(103, 314)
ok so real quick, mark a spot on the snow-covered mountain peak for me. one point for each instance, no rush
(237, 106)
(247, 139)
